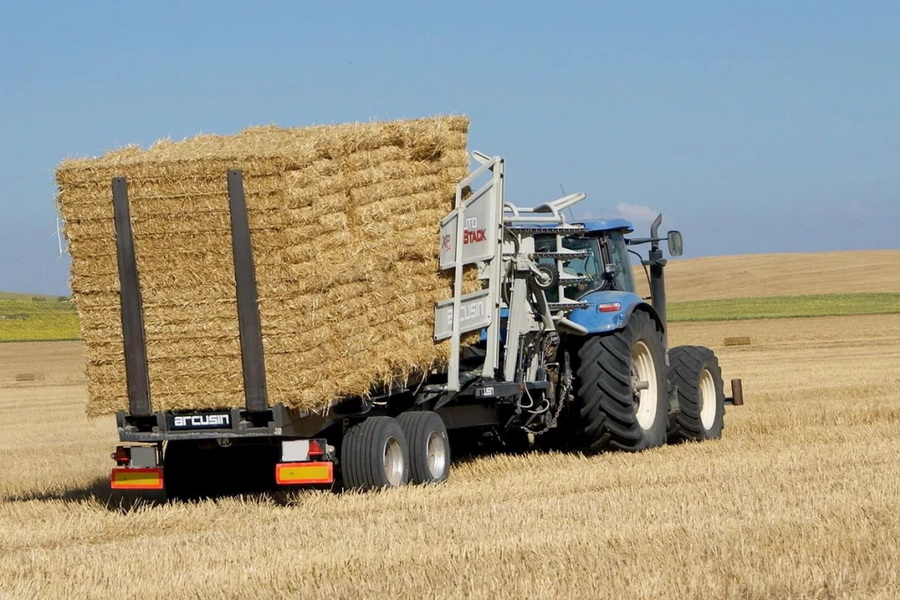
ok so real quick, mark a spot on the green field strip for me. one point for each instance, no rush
(26, 318)
(784, 307)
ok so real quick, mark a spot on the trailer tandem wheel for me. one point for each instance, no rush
(374, 455)
(429, 446)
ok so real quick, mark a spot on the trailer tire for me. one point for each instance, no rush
(695, 374)
(428, 446)
(374, 455)
(611, 410)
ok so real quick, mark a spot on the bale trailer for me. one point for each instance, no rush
(557, 349)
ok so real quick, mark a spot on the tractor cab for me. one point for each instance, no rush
(597, 259)
(610, 236)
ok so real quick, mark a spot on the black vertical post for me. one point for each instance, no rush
(134, 343)
(657, 263)
(248, 310)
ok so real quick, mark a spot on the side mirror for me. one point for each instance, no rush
(675, 245)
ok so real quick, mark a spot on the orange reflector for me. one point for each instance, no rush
(136, 479)
(306, 472)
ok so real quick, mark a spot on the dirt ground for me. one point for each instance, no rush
(799, 499)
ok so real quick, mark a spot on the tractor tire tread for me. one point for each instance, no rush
(686, 366)
(606, 417)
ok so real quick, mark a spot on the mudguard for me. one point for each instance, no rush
(603, 316)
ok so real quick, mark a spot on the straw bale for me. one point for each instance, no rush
(343, 225)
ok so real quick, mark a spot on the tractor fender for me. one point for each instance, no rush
(603, 316)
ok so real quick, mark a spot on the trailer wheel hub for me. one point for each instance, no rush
(437, 455)
(393, 461)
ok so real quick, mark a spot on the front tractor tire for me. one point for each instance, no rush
(694, 372)
(375, 455)
(620, 388)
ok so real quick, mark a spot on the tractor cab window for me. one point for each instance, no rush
(618, 256)
(588, 268)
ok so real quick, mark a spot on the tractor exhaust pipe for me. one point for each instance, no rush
(657, 263)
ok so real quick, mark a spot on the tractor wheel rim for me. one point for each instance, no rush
(393, 461)
(707, 399)
(644, 385)
(437, 454)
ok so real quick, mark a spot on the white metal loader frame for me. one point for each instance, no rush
(482, 308)
(495, 232)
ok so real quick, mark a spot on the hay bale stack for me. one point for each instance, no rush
(343, 226)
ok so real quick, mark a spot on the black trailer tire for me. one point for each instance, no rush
(695, 374)
(374, 455)
(612, 409)
(428, 446)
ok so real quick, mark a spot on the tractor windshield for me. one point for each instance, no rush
(589, 267)
(587, 270)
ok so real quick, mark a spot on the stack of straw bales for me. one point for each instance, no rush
(343, 226)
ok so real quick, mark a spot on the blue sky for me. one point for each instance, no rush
(754, 127)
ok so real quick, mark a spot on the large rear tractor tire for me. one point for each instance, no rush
(374, 455)
(428, 446)
(694, 372)
(620, 388)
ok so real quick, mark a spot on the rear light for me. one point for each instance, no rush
(122, 456)
(315, 449)
(609, 307)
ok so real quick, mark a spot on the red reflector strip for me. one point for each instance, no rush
(304, 473)
(609, 307)
(136, 479)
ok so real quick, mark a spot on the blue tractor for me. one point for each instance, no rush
(588, 352)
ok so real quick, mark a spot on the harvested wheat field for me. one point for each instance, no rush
(342, 221)
(799, 499)
(756, 275)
